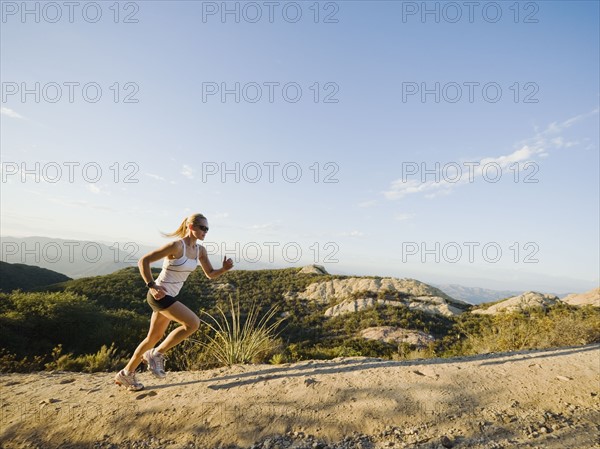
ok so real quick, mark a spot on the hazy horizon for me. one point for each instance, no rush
(123, 254)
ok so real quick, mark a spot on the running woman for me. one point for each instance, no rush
(181, 257)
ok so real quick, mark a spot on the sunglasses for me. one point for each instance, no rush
(202, 228)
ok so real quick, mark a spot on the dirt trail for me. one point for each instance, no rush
(545, 399)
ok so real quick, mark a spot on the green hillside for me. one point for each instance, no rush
(107, 316)
(20, 276)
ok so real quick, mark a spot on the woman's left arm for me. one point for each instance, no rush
(209, 271)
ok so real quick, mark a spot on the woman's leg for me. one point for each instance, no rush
(158, 326)
(189, 324)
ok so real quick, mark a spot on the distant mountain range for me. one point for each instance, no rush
(73, 258)
(83, 258)
(477, 295)
(80, 258)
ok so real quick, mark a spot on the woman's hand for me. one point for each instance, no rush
(227, 264)
(158, 292)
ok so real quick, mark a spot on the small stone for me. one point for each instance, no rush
(309, 381)
(446, 442)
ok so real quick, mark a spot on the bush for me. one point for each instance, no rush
(254, 341)
(534, 328)
(279, 359)
(9, 363)
(106, 359)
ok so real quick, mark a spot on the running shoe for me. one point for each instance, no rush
(156, 363)
(128, 381)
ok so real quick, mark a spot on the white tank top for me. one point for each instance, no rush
(175, 271)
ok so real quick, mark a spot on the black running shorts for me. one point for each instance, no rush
(161, 304)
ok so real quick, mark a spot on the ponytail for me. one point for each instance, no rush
(182, 229)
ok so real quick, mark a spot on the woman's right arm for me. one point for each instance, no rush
(153, 256)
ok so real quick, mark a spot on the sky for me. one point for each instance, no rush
(442, 141)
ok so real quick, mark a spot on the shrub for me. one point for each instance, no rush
(233, 342)
(534, 328)
(106, 359)
(279, 359)
(9, 363)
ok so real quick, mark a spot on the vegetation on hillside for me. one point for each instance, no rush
(95, 323)
(20, 276)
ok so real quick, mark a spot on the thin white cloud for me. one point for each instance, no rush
(559, 142)
(270, 228)
(265, 226)
(352, 234)
(157, 177)
(404, 217)
(98, 189)
(81, 203)
(188, 171)
(451, 175)
(567, 123)
(370, 203)
(448, 176)
(10, 113)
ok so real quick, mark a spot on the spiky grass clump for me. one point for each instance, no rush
(235, 342)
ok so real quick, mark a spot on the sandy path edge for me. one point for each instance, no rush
(542, 398)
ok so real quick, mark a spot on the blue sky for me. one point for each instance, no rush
(372, 218)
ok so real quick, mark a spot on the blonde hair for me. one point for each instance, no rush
(182, 229)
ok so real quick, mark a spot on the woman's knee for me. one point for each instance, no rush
(192, 325)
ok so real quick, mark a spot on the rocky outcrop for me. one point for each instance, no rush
(313, 269)
(429, 304)
(405, 292)
(356, 305)
(524, 301)
(397, 335)
(341, 288)
(581, 299)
